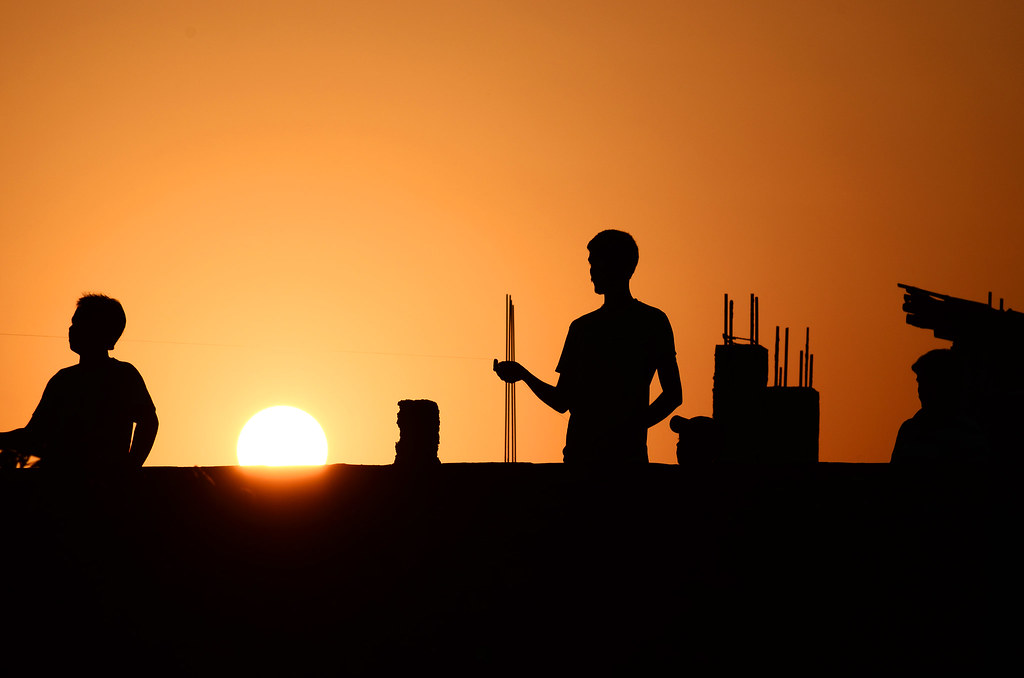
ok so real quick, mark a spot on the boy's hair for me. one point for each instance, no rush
(109, 315)
(618, 247)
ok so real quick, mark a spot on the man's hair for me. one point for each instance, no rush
(109, 315)
(617, 247)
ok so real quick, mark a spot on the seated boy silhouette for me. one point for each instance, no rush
(86, 416)
(607, 365)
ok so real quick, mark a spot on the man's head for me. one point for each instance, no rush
(939, 379)
(613, 258)
(97, 324)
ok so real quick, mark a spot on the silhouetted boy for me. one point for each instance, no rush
(607, 365)
(86, 415)
(940, 431)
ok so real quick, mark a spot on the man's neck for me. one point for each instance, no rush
(617, 298)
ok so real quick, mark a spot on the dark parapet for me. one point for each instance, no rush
(419, 426)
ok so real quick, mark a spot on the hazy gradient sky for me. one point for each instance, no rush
(323, 204)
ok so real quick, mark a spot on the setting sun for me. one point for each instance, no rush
(282, 436)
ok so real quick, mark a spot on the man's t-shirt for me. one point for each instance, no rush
(87, 412)
(607, 364)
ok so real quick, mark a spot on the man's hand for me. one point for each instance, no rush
(510, 371)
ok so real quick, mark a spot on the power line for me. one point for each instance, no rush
(265, 348)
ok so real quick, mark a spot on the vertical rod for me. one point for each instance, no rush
(751, 335)
(730, 321)
(810, 373)
(513, 344)
(990, 300)
(800, 379)
(507, 403)
(785, 362)
(776, 370)
(807, 355)
(757, 321)
(725, 320)
(1000, 303)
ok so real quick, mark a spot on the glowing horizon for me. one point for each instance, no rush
(326, 203)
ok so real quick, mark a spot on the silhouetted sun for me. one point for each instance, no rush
(282, 436)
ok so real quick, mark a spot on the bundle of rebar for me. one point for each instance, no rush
(510, 388)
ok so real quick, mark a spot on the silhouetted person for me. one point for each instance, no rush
(86, 416)
(607, 365)
(941, 431)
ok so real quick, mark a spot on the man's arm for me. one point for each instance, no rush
(671, 393)
(142, 440)
(552, 396)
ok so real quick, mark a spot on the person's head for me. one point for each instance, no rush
(97, 324)
(613, 258)
(939, 379)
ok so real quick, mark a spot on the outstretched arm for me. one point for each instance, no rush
(671, 393)
(142, 440)
(554, 397)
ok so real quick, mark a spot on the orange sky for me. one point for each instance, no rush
(323, 204)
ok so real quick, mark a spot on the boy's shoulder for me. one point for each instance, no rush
(111, 366)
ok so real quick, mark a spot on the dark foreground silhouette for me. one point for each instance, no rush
(96, 414)
(490, 569)
(607, 365)
(971, 393)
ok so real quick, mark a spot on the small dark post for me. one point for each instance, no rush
(419, 426)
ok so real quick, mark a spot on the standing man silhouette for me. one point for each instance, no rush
(98, 413)
(607, 365)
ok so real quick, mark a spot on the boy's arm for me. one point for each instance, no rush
(142, 439)
(552, 396)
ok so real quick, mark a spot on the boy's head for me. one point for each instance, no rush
(613, 258)
(97, 324)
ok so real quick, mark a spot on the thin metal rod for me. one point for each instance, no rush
(725, 320)
(810, 373)
(800, 379)
(757, 321)
(505, 448)
(730, 321)
(751, 335)
(807, 354)
(785, 363)
(776, 366)
(512, 315)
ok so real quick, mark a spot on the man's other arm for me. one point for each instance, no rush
(553, 396)
(671, 392)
